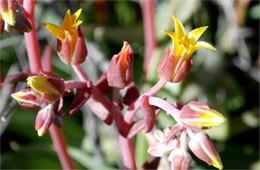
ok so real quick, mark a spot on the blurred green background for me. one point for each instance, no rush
(228, 80)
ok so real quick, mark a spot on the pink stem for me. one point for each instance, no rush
(47, 59)
(126, 145)
(33, 51)
(128, 153)
(31, 40)
(80, 72)
(60, 147)
(149, 32)
(74, 84)
(122, 126)
(130, 113)
(169, 108)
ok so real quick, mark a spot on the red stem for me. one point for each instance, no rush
(127, 149)
(149, 33)
(126, 145)
(60, 147)
(33, 51)
(31, 40)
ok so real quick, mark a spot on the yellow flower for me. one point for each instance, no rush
(186, 44)
(8, 16)
(68, 32)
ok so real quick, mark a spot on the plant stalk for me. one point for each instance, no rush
(33, 50)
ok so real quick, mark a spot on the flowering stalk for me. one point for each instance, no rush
(32, 44)
(33, 51)
(126, 145)
(149, 33)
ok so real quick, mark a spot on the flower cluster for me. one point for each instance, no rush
(46, 90)
(192, 117)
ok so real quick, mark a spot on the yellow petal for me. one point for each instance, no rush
(55, 30)
(216, 162)
(196, 33)
(76, 15)
(41, 84)
(179, 29)
(207, 118)
(9, 16)
(41, 131)
(75, 25)
(174, 39)
(201, 44)
(19, 96)
(67, 22)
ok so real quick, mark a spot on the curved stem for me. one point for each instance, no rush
(169, 108)
(126, 145)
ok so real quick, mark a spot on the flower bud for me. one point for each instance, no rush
(70, 40)
(173, 70)
(120, 71)
(70, 54)
(204, 149)
(180, 159)
(27, 98)
(50, 88)
(196, 115)
(44, 120)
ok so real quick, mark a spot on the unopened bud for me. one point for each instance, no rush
(120, 71)
(27, 98)
(44, 120)
(196, 115)
(204, 149)
(48, 87)
(180, 159)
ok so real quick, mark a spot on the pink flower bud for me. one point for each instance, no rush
(196, 115)
(27, 98)
(49, 87)
(148, 114)
(71, 53)
(71, 45)
(120, 71)
(44, 120)
(180, 159)
(172, 69)
(204, 149)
